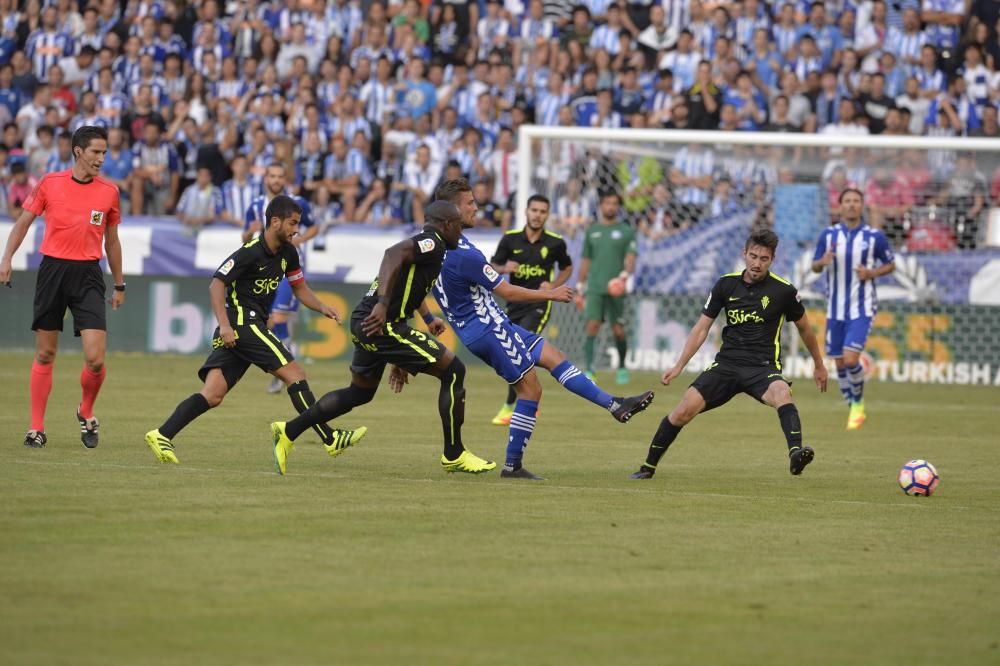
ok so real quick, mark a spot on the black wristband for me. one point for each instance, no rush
(120, 287)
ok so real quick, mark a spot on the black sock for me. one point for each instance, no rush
(664, 437)
(622, 346)
(302, 399)
(790, 424)
(511, 395)
(330, 406)
(451, 406)
(188, 410)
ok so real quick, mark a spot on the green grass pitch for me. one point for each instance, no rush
(378, 557)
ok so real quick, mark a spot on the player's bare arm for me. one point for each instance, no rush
(865, 273)
(515, 294)
(251, 231)
(696, 338)
(217, 297)
(823, 262)
(561, 279)
(113, 250)
(812, 344)
(308, 298)
(509, 267)
(434, 324)
(392, 263)
(14, 240)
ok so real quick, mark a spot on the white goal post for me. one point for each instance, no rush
(933, 195)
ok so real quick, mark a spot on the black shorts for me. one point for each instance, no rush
(406, 347)
(721, 382)
(255, 345)
(531, 316)
(66, 283)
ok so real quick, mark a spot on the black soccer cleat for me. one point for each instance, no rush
(88, 430)
(624, 409)
(798, 458)
(519, 473)
(35, 439)
(645, 472)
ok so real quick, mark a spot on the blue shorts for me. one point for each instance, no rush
(284, 298)
(509, 349)
(850, 335)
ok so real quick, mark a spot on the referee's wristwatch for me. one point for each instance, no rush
(120, 287)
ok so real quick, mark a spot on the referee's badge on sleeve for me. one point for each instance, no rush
(97, 217)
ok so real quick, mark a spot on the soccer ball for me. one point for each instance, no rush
(918, 477)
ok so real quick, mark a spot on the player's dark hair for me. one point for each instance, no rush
(604, 194)
(541, 198)
(450, 189)
(439, 212)
(763, 238)
(840, 199)
(281, 207)
(83, 136)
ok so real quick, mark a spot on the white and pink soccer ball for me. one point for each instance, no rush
(919, 478)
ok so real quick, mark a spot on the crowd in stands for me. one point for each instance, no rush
(370, 103)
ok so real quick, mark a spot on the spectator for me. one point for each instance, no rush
(118, 166)
(201, 203)
(704, 100)
(19, 188)
(377, 209)
(62, 159)
(38, 159)
(238, 192)
(155, 174)
(420, 178)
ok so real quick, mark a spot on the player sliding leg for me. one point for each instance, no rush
(757, 303)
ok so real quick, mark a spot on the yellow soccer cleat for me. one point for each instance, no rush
(282, 445)
(162, 447)
(856, 418)
(503, 416)
(468, 462)
(344, 438)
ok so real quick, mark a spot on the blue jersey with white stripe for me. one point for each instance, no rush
(464, 290)
(849, 297)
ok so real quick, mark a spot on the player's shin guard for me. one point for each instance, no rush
(330, 406)
(40, 387)
(451, 406)
(575, 381)
(188, 410)
(856, 377)
(302, 399)
(845, 384)
(522, 423)
(790, 424)
(664, 437)
(90, 384)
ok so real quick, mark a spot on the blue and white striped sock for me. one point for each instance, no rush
(522, 424)
(856, 376)
(574, 380)
(845, 384)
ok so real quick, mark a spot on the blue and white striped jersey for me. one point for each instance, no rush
(237, 197)
(464, 290)
(255, 212)
(849, 297)
(45, 49)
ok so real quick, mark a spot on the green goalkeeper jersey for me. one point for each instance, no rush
(606, 246)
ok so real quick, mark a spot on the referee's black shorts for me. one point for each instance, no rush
(255, 345)
(720, 382)
(530, 316)
(401, 345)
(68, 283)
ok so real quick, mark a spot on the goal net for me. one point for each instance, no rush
(694, 196)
